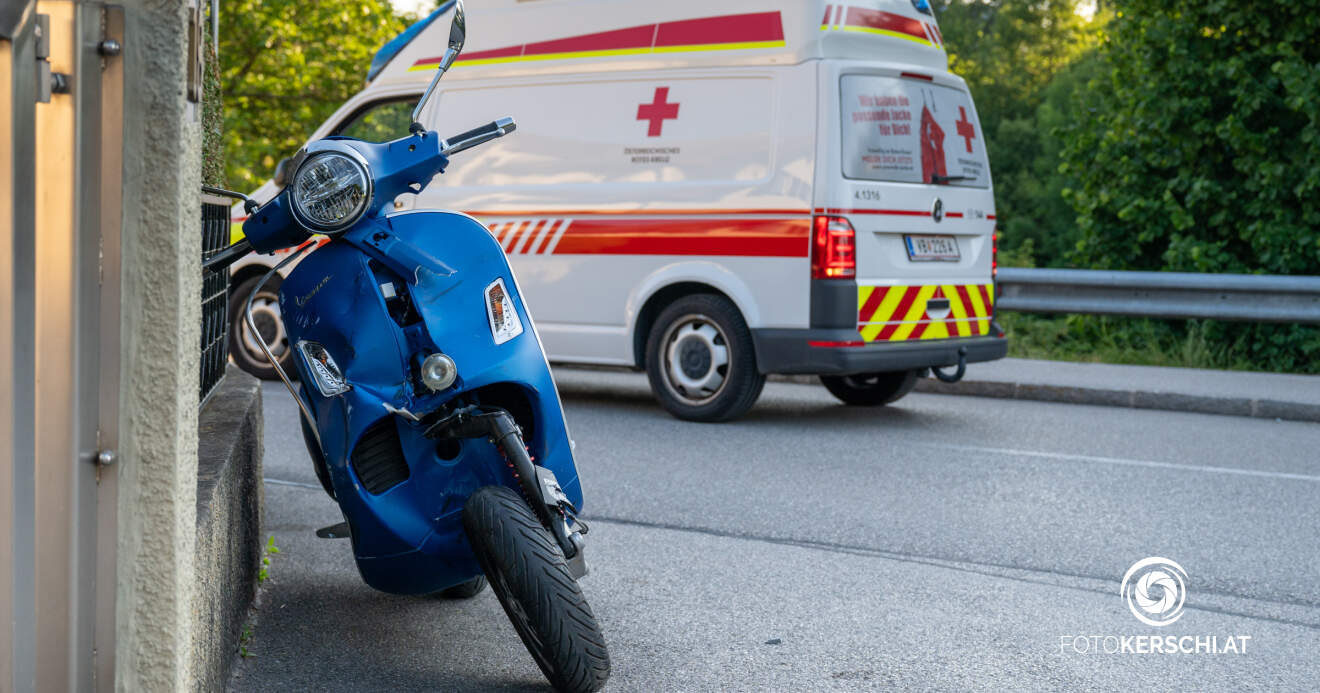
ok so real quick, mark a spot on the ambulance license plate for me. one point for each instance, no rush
(932, 248)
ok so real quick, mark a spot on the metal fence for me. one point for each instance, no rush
(215, 296)
(1176, 295)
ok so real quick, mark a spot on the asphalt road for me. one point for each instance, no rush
(946, 543)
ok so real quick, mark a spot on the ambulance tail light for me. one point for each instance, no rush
(833, 248)
(994, 256)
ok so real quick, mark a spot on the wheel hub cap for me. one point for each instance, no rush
(697, 356)
(266, 316)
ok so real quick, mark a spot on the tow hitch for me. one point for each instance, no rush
(958, 374)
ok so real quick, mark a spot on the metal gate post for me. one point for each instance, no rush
(18, 97)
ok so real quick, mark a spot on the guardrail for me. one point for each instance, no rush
(1234, 297)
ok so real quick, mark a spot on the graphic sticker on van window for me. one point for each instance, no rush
(906, 131)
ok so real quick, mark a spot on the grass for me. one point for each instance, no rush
(245, 637)
(270, 550)
(1186, 344)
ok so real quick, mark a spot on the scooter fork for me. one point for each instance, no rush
(539, 485)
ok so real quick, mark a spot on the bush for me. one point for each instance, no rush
(1199, 149)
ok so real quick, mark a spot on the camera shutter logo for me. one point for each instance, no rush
(1155, 589)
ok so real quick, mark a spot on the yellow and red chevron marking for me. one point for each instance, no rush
(900, 313)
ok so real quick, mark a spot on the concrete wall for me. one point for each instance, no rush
(159, 370)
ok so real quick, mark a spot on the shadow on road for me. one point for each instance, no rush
(780, 403)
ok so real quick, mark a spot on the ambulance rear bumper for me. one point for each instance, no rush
(794, 352)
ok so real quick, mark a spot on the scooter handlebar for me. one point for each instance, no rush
(476, 136)
(228, 256)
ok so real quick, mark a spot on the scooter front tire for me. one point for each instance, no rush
(529, 575)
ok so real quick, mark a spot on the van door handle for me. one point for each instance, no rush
(938, 304)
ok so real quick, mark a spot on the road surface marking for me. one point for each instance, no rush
(1126, 462)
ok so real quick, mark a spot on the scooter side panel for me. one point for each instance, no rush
(409, 538)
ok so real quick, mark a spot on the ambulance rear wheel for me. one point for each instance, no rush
(870, 389)
(700, 360)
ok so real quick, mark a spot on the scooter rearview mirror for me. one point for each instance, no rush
(457, 37)
(283, 172)
(458, 29)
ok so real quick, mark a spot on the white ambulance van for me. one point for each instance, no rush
(713, 192)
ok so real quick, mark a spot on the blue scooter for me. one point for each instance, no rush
(426, 399)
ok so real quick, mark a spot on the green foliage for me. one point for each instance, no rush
(244, 639)
(1023, 61)
(213, 121)
(269, 551)
(286, 66)
(1200, 149)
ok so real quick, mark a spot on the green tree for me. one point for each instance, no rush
(1199, 151)
(286, 66)
(1021, 60)
(1200, 146)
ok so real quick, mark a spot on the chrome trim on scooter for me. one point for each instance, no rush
(265, 348)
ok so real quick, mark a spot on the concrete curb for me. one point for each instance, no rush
(1132, 399)
(230, 496)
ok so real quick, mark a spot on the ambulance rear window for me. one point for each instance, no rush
(909, 131)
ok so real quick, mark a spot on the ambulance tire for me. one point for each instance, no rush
(870, 389)
(265, 312)
(695, 334)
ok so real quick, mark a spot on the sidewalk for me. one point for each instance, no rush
(1231, 393)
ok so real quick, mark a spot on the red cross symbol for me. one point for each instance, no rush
(966, 130)
(658, 111)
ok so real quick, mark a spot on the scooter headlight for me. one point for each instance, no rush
(331, 191)
(439, 372)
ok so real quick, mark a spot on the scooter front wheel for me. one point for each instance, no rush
(529, 575)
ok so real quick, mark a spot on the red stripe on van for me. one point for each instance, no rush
(552, 228)
(510, 52)
(618, 39)
(756, 27)
(714, 237)
(886, 212)
(733, 28)
(512, 239)
(888, 21)
(643, 212)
